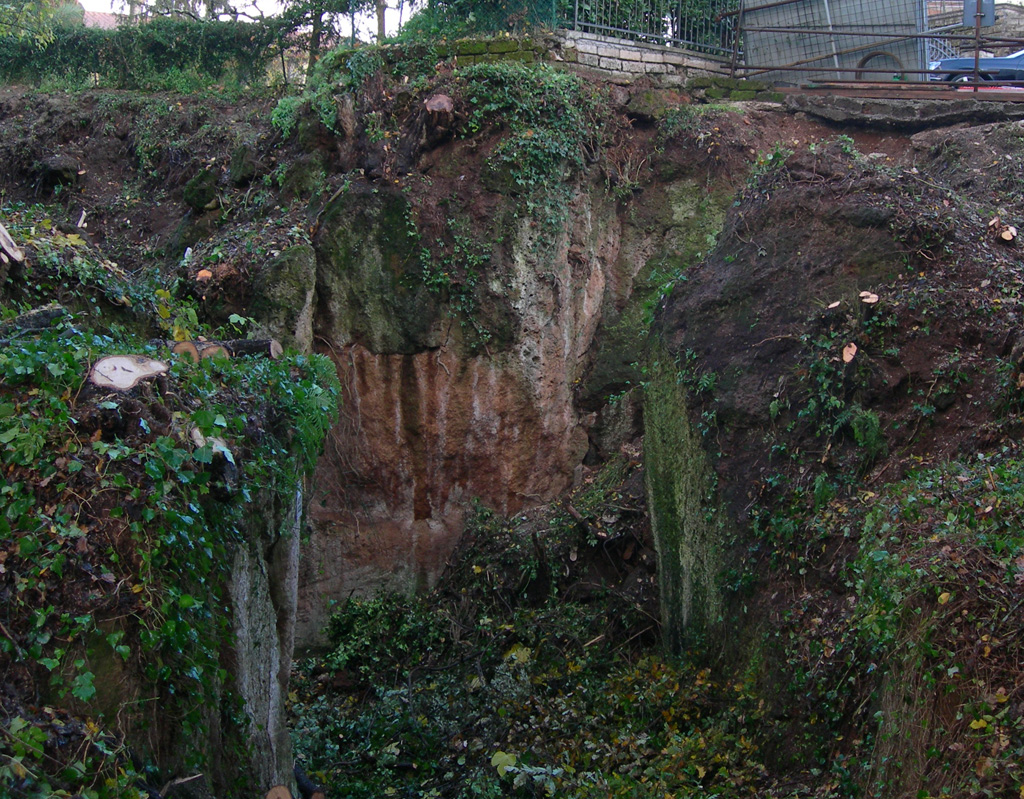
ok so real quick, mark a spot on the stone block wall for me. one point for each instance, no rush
(623, 60)
(619, 60)
(474, 51)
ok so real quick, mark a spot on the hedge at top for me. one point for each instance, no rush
(143, 56)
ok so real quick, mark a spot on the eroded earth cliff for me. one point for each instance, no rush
(521, 277)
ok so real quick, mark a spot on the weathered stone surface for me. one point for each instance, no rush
(903, 114)
(690, 526)
(263, 591)
(283, 296)
(364, 250)
(243, 166)
(429, 423)
(502, 46)
(470, 47)
(304, 176)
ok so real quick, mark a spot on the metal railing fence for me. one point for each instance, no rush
(793, 41)
(705, 26)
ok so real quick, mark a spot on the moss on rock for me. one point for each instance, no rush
(368, 275)
(201, 190)
(283, 297)
(689, 525)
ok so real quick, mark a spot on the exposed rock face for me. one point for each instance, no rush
(430, 422)
(689, 524)
(263, 590)
(748, 370)
(435, 416)
(789, 249)
(284, 294)
(263, 596)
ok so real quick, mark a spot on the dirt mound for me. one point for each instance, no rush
(858, 323)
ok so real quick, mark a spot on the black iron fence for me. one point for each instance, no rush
(705, 26)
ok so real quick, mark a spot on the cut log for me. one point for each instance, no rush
(211, 349)
(279, 792)
(36, 319)
(270, 347)
(7, 245)
(198, 349)
(1004, 233)
(122, 372)
(439, 104)
(186, 348)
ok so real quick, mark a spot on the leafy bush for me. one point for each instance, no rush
(176, 54)
(285, 115)
(551, 115)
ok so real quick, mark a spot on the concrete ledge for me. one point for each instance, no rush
(903, 114)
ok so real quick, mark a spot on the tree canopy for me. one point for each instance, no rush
(26, 18)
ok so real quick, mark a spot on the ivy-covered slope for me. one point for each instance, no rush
(148, 538)
(838, 537)
(843, 376)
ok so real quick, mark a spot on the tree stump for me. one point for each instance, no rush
(122, 372)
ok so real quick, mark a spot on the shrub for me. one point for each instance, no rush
(163, 54)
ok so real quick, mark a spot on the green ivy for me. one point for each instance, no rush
(119, 515)
(552, 121)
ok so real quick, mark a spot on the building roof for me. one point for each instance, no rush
(98, 19)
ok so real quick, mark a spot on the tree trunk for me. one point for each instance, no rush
(381, 31)
(314, 39)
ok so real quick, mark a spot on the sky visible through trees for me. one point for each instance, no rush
(366, 23)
